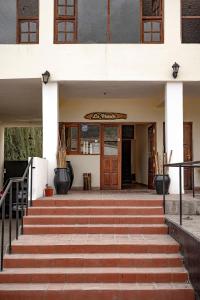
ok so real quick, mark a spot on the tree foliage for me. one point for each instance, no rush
(23, 142)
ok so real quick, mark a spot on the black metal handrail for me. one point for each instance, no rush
(19, 183)
(188, 164)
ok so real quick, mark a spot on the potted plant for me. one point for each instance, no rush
(62, 178)
(159, 177)
(48, 191)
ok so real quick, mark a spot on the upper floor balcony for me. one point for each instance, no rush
(96, 21)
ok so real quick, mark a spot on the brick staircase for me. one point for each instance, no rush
(95, 250)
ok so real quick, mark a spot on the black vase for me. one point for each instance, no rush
(61, 181)
(71, 172)
(158, 183)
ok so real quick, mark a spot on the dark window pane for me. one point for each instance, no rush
(61, 37)
(190, 8)
(61, 26)
(24, 37)
(147, 37)
(111, 134)
(72, 139)
(147, 26)
(156, 37)
(61, 2)
(70, 2)
(70, 26)
(147, 8)
(151, 8)
(61, 10)
(155, 26)
(110, 148)
(28, 8)
(90, 139)
(70, 11)
(24, 26)
(33, 27)
(191, 31)
(33, 37)
(92, 21)
(125, 21)
(70, 37)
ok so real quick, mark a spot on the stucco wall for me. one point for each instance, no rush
(73, 110)
(85, 164)
(103, 62)
(142, 110)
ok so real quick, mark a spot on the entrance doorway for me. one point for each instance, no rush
(111, 157)
(138, 152)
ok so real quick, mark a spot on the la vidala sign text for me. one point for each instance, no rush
(105, 116)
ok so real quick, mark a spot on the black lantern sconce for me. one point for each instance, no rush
(175, 68)
(45, 77)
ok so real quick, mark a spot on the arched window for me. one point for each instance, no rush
(28, 21)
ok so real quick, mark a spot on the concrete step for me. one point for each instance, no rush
(92, 260)
(96, 229)
(94, 219)
(96, 202)
(94, 275)
(95, 243)
(100, 291)
(95, 210)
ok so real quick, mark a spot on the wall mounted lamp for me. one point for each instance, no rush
(45, 77)
(175, 68)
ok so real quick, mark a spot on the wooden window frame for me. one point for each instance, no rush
(58, 19)
(152, 19)
(27, 19)
(78, 125)
(186, 18)
(74, 18)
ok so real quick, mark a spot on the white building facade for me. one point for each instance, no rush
(98, 65)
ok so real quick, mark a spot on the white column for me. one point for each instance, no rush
(46, 23)
(174, 129)
(1, 155)
(50, 104)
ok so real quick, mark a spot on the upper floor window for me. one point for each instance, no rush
(108, 21)
(152, 21)
(65, 26)
(28, 21)
(190, 21)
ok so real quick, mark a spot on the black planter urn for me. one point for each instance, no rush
(158, 183)
(61, 181)
(70, 172)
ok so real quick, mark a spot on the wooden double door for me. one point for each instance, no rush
(111, 144)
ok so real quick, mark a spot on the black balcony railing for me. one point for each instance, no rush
(15, 198)
(181, 166)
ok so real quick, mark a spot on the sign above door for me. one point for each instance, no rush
(105, 116)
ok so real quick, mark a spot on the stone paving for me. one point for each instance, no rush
(191, 223)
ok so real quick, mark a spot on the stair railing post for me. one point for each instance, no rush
(180, 192)
(164, 200)
(2, 232)
(10, 218)
(17, 210)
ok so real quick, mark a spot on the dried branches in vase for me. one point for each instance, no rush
(161, 181)
(61, 152)
(159, 160)
(61, 178)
